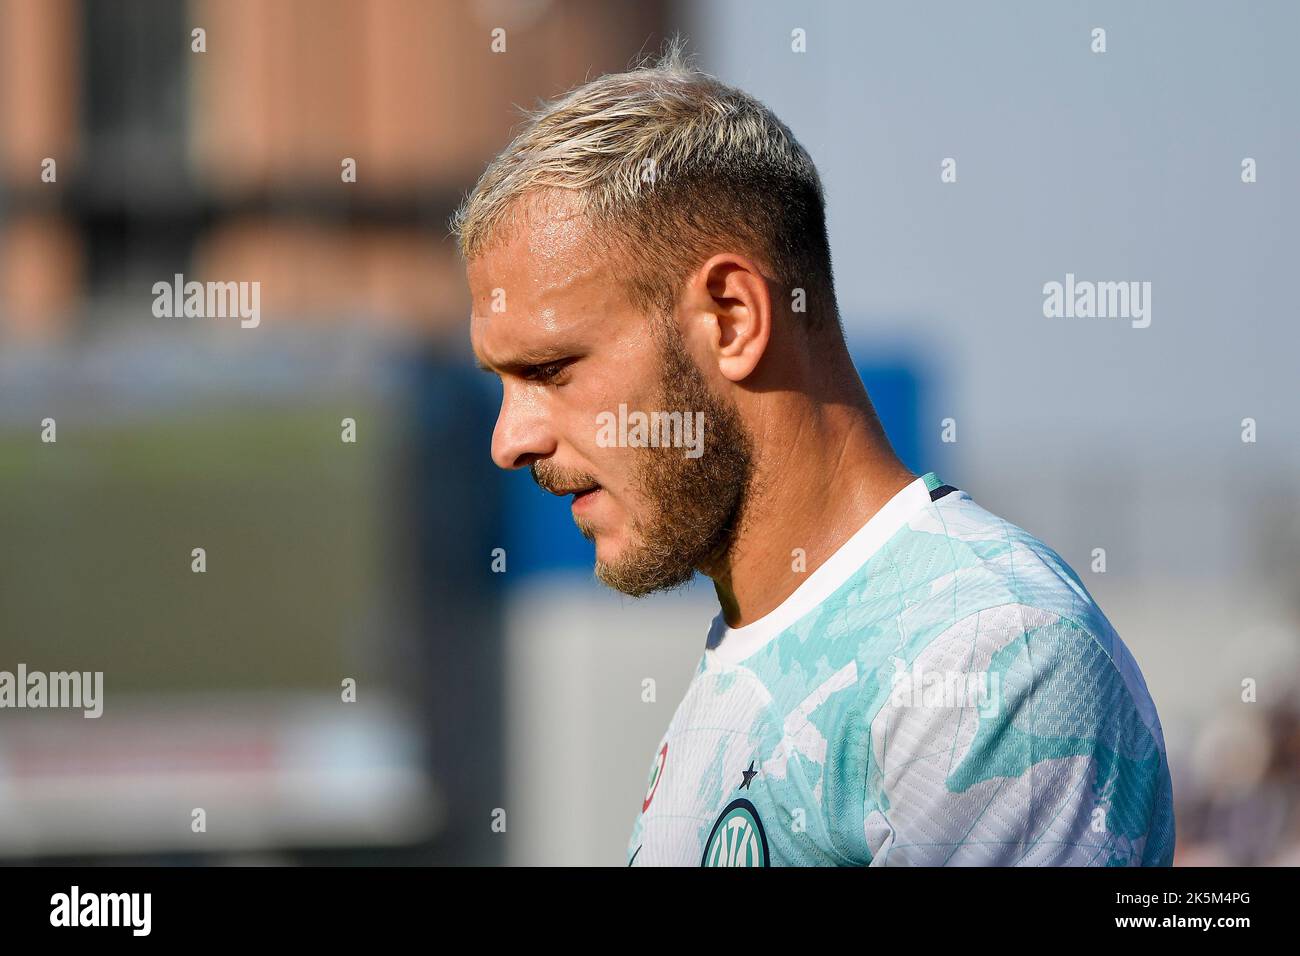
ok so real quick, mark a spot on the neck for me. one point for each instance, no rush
(827, 468)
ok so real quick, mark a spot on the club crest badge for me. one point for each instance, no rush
(737, 838)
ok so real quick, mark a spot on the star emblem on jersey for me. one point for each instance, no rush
(749, 775)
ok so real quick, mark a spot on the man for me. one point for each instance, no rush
(896, 676)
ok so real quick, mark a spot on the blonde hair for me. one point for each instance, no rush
(669, 166)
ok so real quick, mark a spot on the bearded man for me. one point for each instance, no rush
(895, 675)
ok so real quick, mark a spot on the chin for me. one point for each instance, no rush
(607, 551)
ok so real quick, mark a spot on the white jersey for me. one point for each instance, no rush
(942, 690)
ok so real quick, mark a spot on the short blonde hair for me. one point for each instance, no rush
(669, 166)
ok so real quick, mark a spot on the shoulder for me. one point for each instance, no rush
(959, 557)
(1004, 591)
(1009, 708)
(1003, 611)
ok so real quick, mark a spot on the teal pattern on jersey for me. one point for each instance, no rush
(942, 691)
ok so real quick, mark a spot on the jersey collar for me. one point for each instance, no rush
(731, 645)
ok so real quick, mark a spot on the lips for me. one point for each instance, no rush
(563, 482)
(582, 497)
(577, 491)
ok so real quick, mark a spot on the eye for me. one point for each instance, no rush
(552, 373)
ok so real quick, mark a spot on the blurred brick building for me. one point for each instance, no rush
(227, 163)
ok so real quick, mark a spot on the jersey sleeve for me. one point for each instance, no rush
(1018, 738)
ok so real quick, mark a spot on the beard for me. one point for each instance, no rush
(691, 507)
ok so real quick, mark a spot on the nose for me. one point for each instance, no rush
(523, 434)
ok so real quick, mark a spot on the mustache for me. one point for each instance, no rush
(560, 481)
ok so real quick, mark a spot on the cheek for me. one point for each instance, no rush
(593, 429)
(608, 421)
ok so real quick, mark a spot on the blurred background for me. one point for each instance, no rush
(521, 690)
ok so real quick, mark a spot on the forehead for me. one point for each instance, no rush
(541, 281)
